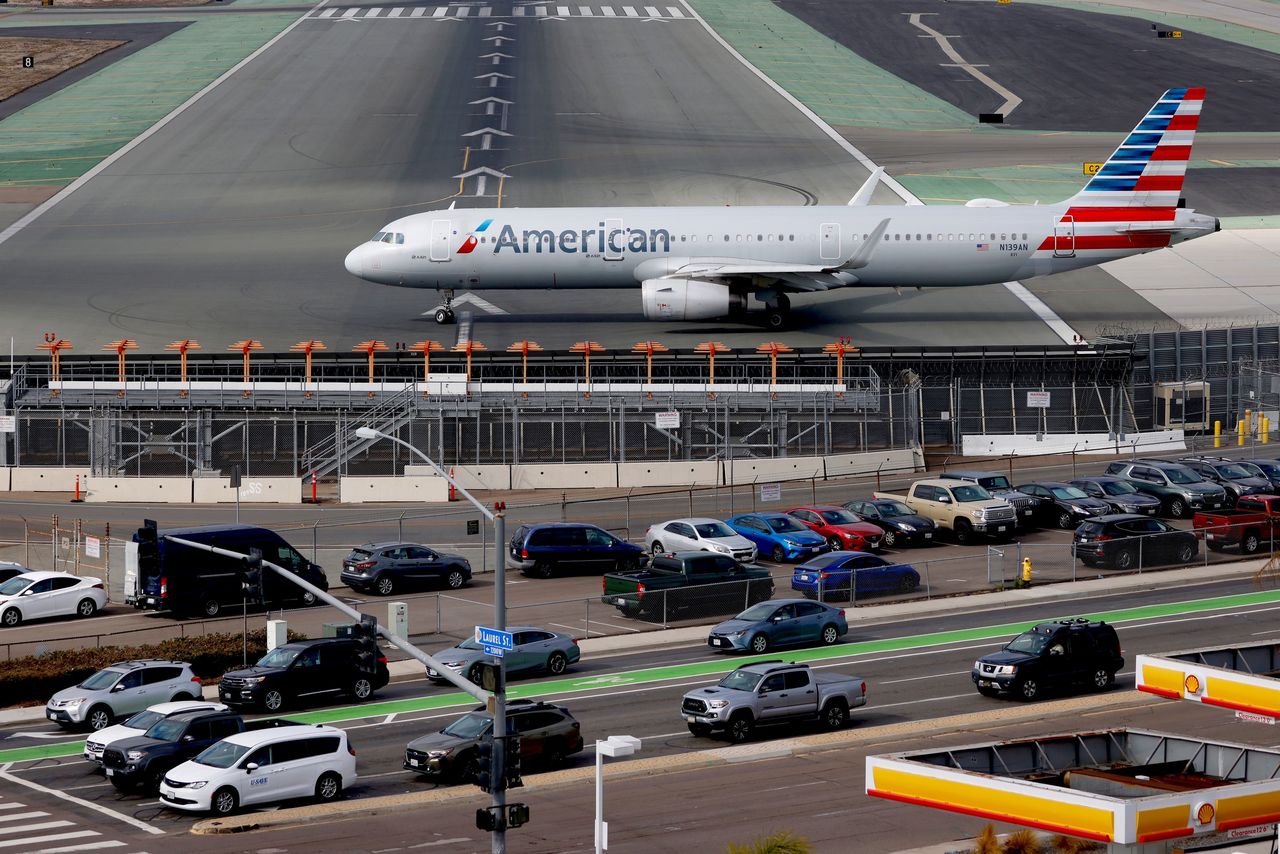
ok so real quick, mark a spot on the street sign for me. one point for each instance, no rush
(770, 492)
(666, 420)
(8, 423)
(1038, 399)
(499, 640)
(473, 527)
(92, 547)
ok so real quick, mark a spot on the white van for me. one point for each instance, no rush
(263, 766)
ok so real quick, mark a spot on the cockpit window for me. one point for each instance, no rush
(377, 237)
(387, 237)
(399, 238)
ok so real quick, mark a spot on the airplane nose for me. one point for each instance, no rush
(355, 262)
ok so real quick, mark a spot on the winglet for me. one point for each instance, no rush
(862, 257)
(452, 203)
(863, 196)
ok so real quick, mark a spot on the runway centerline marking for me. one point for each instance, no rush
(1011, 101)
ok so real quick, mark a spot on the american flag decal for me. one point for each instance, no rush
(983, 247)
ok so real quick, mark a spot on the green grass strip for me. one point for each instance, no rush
(59, 138)
(710, 667)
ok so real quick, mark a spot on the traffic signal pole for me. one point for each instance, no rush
(498, 840)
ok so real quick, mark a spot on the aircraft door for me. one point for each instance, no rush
(829, 241)
(1064, 237)
(615, 240)
(441, 234)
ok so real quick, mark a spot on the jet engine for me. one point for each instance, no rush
(687, 299)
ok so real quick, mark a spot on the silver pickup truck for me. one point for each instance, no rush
(771, 692)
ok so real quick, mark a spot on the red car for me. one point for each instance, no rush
(843, 530)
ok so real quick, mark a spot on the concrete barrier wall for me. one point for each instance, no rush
(6, 475)
(32, 479)
(1026, 444)
(364, 490)
(768, 471)
(150, 490)
(564, 476)
(471, 477)
(886, 462)
(255, 490)
(704, 473)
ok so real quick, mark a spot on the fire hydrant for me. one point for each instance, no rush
(1026, 572)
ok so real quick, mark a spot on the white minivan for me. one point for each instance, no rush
(263, 766)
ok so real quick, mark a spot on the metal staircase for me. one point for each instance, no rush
(331, 453)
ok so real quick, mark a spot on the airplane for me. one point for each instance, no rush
(702, 263)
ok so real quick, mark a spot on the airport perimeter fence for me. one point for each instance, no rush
(913, 575)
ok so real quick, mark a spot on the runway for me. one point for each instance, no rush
(232, 221)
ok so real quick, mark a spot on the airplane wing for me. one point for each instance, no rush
(794, 277)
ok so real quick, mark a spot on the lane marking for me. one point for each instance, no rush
(918, 678)
(1011, 101)
(127, 819)
(23, 815)
(91, 846)
(41, 825)
(53, 837)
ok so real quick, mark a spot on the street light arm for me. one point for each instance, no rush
(324, 596)
(371, 433)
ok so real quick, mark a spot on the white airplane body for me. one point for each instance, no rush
(696, 263)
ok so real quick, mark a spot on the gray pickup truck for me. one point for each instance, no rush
(771, 692)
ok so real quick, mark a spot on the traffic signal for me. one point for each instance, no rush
(517, 814)
(251, 577)
(486, 778)
(511, 761)
(489, 819)
(148, 538)
(488, 675)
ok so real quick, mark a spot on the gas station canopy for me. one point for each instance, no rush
(1123, 786)
(1243, 678)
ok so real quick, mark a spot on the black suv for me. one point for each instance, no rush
(305, 670)
(539, 550)
(1129, 541)
(999, 486)
(1064, 505)
(1052, 656)
(1235, 477)
(548, 736)
(386, 568)
(1122, 495)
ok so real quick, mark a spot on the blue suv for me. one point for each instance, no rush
(779, 536)
(540, 550)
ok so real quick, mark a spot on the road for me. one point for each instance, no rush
(913, 672)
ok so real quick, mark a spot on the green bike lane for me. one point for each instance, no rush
(585, 686)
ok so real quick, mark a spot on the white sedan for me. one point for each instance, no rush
(139, 723)
(37, 595)
(699, 535)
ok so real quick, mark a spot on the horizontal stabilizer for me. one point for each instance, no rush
(863, 196)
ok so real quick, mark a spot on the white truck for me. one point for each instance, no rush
(965, 509)
(766, 693)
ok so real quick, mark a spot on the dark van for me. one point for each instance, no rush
(161, 575)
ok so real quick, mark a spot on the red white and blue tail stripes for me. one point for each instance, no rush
(1146, 171)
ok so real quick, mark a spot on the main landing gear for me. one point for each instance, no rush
(777, 313)
(444, 314)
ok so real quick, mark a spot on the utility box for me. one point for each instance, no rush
(1184, 405)
(398, 618)
(277, 633)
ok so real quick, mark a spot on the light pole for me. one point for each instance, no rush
(614, 746)
(499, 519)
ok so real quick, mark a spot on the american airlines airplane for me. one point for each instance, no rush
(699, 263)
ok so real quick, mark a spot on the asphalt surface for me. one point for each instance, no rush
(1107, 69)
(233, 220)
(907, 683)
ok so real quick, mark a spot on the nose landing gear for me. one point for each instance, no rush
(444, 314)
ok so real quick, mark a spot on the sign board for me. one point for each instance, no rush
(1038, 399)
(666, 420)
(1093, 168)
(92, 547)
(770, 492)
(8, 423)
(495, 642)
(28, 62)
(473, 527)
(1253, 717)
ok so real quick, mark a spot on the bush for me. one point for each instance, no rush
(987, 842)
(1022, 842)
(35, 678)
(1072, 845)
(780, 842)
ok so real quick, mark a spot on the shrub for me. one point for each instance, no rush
(35, 678)
(1022, 842)
(1072, 844)
(779, 842)
(986, 841)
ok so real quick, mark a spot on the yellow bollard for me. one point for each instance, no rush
(1217, 434)
(1265, 428)
(1240, 433)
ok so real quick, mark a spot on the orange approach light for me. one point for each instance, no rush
(245, 347)
(469, 347)
(426, 348)
(649, 348)
(369, 348)
(773, 348)
(307, 348)
(183, 347)
(711, 348)
(55, 346)
(524, 348)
